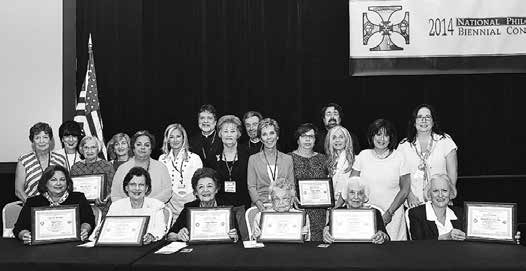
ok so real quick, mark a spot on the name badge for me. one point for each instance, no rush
(230, 187)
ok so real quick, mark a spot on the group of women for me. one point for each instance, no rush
(422, 168)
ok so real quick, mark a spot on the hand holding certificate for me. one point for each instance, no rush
(90, 185)
(123, 231)
(490, 221)
(315, 193)
(55, 224)
(352, 225)
(210, 224)
(282, 227)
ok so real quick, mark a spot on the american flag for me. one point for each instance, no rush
(88, 106)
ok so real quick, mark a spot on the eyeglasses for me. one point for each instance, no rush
(137, 185)
(428, 117)
(308, 136)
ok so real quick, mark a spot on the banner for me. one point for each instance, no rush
(430, 36)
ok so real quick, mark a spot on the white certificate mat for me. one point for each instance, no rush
(282, 227)
(122, 231)
(353, 225)
(490, 221)
(209, 224)
(90, 185)
(55, 224)
(315, 193)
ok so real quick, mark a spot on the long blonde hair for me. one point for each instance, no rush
(331, 152)
(166, 146)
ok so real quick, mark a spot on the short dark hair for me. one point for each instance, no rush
(208, 108)
(336, 106)
(72, 128)
(142, 133)
(390, 130)
(48, 174)
(250, 114)
(205, 173)
(40, 127)
(303, 128)
(137, 171)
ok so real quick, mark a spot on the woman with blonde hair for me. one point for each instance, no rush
(181, 164)
(339, 149)
(119, 150)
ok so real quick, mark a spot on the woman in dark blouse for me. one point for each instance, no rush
(309, 165)
(205, 185)
(56, 189)
(231, 164)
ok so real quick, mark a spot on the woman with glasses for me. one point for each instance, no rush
(427, 151)
(309, 164)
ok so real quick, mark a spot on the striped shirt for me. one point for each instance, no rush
(61, 158)
(33, 170)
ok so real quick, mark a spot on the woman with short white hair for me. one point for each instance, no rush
(282, 194)
(435, 219)
(90, 147)
(357, 196)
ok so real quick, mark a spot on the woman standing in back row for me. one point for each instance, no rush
(427, 151)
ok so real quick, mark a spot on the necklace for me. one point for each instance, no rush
(48, 161)
(382, 155)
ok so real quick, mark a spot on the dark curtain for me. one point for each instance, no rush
(158, 61)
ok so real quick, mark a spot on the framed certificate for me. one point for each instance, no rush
(122, 231)
(282, 227)
(55, 224)
(315, 193)
(494, 222)
(91, 185)
(352, 225)
(207, 225)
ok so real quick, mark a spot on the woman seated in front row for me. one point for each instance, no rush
(205, 183)
(137, 185)
(55, 188)
(435, 219)
(282, 194)
(357, 196)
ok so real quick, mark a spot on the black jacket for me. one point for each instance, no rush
(24, 219)
(423, 229)
(182, 219)
(239, 176)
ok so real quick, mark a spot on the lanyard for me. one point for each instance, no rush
(275, 165)
(180, 171)
(229, 169)
(67, 160)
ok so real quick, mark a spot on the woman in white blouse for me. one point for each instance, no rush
(181, 164)
(383, 169)
(427, 151)
(137, 185)
(339, 149)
